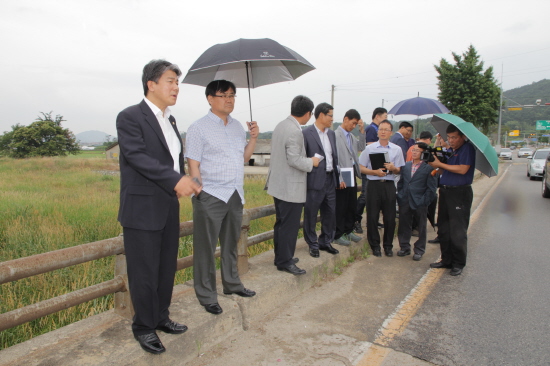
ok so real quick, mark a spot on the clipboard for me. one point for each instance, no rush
(378, 160)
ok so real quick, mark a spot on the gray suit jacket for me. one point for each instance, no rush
(289, 165)
(316, 178)
(420, 189)
(348, 158)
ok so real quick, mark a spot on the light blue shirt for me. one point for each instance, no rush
(219, 149)
(395, 155)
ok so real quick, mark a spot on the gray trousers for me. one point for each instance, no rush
(213, 219)
(325, 201)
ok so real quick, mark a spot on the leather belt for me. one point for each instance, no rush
(453, 187)
(381, 180)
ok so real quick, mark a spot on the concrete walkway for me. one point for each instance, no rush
(338, 313)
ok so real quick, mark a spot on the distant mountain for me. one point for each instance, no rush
(527, 95)
(91, 136)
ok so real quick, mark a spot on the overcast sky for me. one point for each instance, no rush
(83, 59)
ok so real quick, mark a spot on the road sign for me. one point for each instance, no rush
(515, 108)
(543, 125)
(513, 133)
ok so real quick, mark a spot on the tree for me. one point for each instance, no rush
(44, 137)
(468, 91)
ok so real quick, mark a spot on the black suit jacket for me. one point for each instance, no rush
(420, 189)
(312, 143)
(402, 143)
(147, 175)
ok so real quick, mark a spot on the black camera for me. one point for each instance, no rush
(429, 153)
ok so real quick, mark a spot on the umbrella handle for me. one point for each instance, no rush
(248, 83)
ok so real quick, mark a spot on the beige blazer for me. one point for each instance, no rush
(289, 165)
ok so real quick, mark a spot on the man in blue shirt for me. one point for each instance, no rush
(371, 135)
(455, 201)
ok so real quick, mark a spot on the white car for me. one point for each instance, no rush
(524, 152)
(535, 166)
(505, 153)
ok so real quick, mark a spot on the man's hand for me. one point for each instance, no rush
(436, 163)
(361, 126)
(253, 129)
(186, 187)
(389, 166)
(315, 161)
(380, 173)
(342, 185)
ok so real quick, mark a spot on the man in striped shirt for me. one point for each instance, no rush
(216, 150)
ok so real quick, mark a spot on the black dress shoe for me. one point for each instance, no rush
(294, 260)
(244, 293)
(388, 252)
(214, 308)
(357, 228)
(402, 253)
(434, 241)
(314, 253)
(376, 252)
(417, 257)
(456, 271)
(172, 327)
(292, 269)
(150, 342)
(439, 265)
(330, 249)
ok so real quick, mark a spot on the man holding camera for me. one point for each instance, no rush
(455, 201)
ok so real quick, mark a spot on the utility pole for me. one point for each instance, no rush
(332, 97)
(382, 103)
(500, 109)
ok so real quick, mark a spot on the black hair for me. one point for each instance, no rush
(378, 111)
(425, 135)
(300, 106)
(219, 86)
(406, 125)
(352, 114)
(154, 70)
(322, 108)
(388, 122)
(453, 128)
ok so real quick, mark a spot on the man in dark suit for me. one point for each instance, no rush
(415, 191)
(402, 138)
(152, 178)
(320, 141)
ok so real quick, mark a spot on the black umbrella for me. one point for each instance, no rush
(418, 106)
(248, 63)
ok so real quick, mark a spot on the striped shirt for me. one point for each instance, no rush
(219, 149)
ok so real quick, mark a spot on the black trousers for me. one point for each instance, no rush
(455, 204)
(151, 258)
(381, 196)
(404, 231)
(362, 200)
(285, 231)
(346, 205)
(323, 201)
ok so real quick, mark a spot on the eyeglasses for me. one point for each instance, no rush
(329, 115)
(226, 96)
(384, 130)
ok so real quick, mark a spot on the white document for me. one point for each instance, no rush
(348, 175)
(320, 157)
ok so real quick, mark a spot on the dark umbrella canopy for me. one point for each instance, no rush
(418, 106)
(266, 61)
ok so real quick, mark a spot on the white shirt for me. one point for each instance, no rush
(395, 155)
(326, 147)
(172, 139)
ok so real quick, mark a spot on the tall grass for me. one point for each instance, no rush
(52, 203)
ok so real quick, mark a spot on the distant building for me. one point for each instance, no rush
(112, 151)
(262, 153)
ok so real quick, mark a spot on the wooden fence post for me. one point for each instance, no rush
(242, 245)
(123, 302)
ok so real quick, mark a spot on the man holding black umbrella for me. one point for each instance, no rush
(216, 151)
(455, 201)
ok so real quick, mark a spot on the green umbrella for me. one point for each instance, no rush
(486, 156)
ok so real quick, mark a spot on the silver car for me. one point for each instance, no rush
(505, 153)
(535, 165)
(524, 152)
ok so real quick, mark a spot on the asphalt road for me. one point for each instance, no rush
(497, 312)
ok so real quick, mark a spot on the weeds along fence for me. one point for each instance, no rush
(17, 269)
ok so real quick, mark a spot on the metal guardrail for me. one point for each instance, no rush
(41, 263)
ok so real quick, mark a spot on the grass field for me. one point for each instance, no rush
(52, 203)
